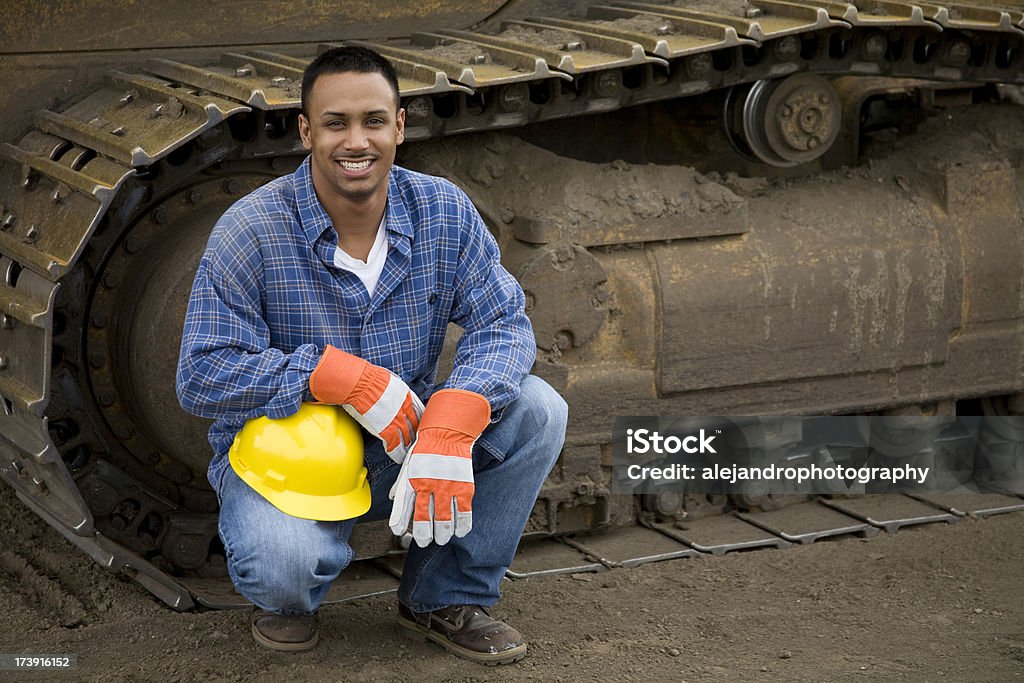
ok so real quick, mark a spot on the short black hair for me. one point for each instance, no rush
(344, 59)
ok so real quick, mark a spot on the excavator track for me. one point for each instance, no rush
(650, 541)
(92, 185)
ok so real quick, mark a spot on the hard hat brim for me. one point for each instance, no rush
(334, 508)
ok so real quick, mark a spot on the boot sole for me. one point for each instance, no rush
(284, 647)
(422, 633)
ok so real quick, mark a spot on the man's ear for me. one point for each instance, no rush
(304, 131)
(400, 125)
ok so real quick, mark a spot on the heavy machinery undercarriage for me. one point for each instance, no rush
(712, 208)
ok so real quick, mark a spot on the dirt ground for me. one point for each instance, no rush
(936, 602)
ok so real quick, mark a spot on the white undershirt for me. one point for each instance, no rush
(368, 271)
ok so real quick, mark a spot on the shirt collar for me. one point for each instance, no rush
(314, 218)
(397, 218)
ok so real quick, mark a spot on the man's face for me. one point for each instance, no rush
(353, 130)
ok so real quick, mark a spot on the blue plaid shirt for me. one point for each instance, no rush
(267, 299)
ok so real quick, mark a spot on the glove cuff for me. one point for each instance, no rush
(457, 410)
(334, 378)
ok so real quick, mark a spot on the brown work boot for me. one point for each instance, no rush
(468, 631)
(285, 632)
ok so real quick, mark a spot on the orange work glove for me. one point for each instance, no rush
(435, 486)
(377, 399)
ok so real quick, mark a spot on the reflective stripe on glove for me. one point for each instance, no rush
(435, 486)
(378, 400)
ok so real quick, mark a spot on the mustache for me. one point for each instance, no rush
(360, 157)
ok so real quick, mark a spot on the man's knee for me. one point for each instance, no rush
(534, 423)
(550, 411)
(276, 560)
(288, 558)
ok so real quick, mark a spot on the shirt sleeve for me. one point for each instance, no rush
(498, 347)
(227, 367)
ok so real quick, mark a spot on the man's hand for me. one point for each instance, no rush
(378, 400)
(435, 487)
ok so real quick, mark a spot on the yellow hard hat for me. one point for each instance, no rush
(307, 465)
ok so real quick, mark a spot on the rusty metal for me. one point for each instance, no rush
(466, 61)
(631, 547)
(974, 18)
(872, 13)
(576, 51)
(244, 83)
(65, 202)
(578, 276)
(27, 300)
(891, 512)
(670, 39)
(784, 122)
(773, 21)
(808, 523)
(972, 504)
(721, 534)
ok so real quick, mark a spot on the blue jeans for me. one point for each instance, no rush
(286, 565)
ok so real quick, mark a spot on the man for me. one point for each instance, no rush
(335, 284)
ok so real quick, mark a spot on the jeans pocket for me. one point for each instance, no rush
(374, 458)
(483, 449)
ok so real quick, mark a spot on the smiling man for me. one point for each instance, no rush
(353, 130)
(335, 284)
